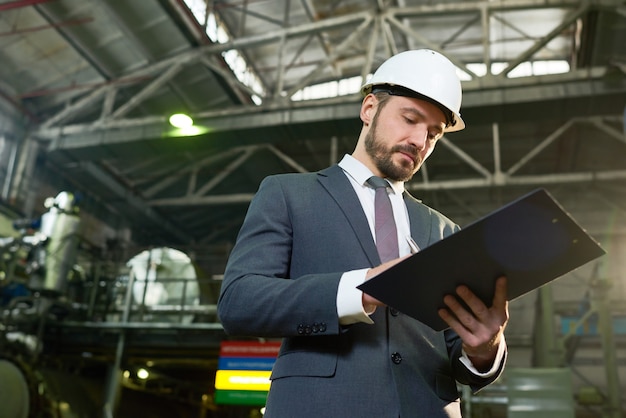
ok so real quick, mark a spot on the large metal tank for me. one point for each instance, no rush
(165, 284)
(59, 226)
(15, 394)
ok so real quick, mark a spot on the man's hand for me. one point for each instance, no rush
(369, 302)
(482, 328)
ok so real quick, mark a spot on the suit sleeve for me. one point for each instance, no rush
(461, 373)
(258, 297)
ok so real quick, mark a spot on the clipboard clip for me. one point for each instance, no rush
(412, 244)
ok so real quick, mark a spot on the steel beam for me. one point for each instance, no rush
(469, 6)
(344, 45)
(20, 3)
(538, 180)
(204, 200)
(567, 21)
(71, 22)
(186, 57)
(225, 172)
(486, 91)
(135, 201)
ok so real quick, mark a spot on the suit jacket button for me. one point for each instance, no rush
(396, 358)
(300, 329)
(316, 328)
(394, 312)
(323, 327)
(307, 329)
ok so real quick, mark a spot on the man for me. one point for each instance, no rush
(309, 239)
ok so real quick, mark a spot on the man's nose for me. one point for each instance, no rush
(419, 138)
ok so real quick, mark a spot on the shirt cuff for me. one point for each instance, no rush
(350, 299)
(496, 363)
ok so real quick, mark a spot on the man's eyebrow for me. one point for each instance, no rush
(412, 110)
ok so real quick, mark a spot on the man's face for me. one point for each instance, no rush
(402, 135)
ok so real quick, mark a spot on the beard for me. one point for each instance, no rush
(382, 156)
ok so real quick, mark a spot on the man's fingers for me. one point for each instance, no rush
(476, 305)
(375, 271)
(500, 297)
(473, 302)
(460, 315)
(473, 317)
(451, 320)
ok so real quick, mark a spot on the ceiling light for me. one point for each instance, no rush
(180, 120)
(142, 374)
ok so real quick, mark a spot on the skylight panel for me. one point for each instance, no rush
(342, 87)
(216, 31)
(218, 34)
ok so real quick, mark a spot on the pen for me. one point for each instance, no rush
(412, 244)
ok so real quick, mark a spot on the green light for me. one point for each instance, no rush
(180, 120)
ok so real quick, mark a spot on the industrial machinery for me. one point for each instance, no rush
(72, 337)
(36, 267)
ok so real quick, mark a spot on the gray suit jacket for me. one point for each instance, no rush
(302, 231)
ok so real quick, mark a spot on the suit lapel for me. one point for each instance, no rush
(334, 180)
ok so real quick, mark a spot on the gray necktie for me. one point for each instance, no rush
(386, 232)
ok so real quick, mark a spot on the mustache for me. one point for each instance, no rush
(407, 149)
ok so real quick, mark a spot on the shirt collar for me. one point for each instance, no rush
(360, 173)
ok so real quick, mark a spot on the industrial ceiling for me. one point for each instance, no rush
(97, 80)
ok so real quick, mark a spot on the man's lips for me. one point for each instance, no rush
(409, 156)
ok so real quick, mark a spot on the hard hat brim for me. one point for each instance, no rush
(453, 120)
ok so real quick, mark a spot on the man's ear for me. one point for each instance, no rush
(368, 109)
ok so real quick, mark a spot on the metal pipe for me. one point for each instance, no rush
(20, 3)
(547, 352)
(183, 298)
(146, 282)
(70, 22)
(334, 146)
(601, 294)
(94, 291)
(10, 170)
(497, 165)
(115, 374)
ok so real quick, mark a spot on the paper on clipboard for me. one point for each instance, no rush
(532, 241)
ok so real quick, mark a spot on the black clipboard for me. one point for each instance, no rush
(531, 240)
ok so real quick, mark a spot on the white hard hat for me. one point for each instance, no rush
(425, 72)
